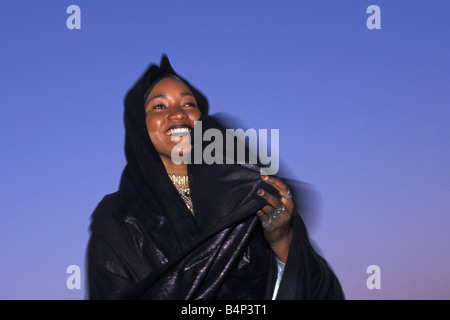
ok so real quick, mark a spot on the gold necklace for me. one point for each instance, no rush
(181, 182)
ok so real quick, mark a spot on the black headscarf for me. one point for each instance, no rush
(145, 243)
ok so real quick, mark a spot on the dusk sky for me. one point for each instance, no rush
(363, 118)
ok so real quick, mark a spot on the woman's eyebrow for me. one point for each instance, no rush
(162, 96)
(184, 94)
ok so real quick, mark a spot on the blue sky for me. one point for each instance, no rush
(363, 118)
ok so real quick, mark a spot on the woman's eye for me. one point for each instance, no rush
(159, 106)
(190, 104)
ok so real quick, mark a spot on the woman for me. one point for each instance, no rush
(193, 230)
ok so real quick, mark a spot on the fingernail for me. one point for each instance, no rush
(265, 177)
(260, 192)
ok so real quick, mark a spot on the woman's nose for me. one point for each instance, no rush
(178, 113)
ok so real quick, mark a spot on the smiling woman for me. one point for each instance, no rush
(196, 231)
(171, 110)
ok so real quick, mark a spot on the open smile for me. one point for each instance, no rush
(178, 130)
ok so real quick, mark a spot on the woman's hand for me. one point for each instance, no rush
(276, 217)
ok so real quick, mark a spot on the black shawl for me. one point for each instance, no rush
(145, 244)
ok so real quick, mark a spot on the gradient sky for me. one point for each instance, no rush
(363, 117)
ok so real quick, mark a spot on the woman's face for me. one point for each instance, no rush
(171, 111)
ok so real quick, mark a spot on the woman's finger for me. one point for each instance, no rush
(272, 200)
(277, 184)
(266, 222)
(263, 215)
(283, 190)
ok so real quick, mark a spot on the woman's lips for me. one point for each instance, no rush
(178, 130)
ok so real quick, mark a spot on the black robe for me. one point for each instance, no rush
(145, 244)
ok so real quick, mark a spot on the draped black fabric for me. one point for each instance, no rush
(145, 244)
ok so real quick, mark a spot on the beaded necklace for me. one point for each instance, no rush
(181, 182)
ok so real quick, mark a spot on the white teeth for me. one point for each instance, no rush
(178, 131)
